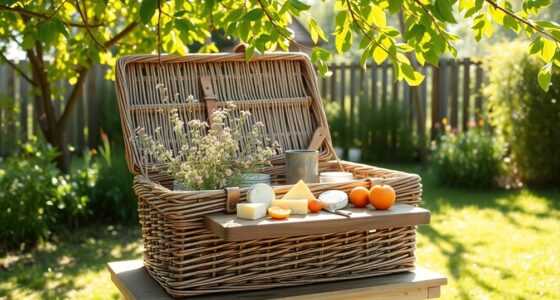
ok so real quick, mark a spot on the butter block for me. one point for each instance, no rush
(297, 206)
(260, 193)
(251, 211)
(299, 191)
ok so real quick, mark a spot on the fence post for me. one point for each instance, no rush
(478, 90)
(435, 101)
(344, 137)
(454, 114)
(466, 92)
(333, 84)
(92, 111)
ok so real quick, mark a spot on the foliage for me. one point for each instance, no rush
(112, 199)
(468, 159)
(382, 134)
(62, 39)
(524, 115)
(210, 155)
(36, 199)
(385, 134)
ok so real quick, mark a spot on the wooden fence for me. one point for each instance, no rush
(18, 119)
(450, 92)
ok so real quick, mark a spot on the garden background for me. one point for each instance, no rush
(482, 135)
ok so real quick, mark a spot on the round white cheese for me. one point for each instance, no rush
(261, 193)
(333, 200)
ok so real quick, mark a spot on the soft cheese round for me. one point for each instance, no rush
(333, 200)
(261, 193)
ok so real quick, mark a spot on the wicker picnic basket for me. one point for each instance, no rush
(279, 89)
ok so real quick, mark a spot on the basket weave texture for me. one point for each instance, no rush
(280, 90)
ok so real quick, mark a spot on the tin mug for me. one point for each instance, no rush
(302, 165)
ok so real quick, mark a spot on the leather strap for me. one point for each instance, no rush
(233, 195)
(376, 181)
(318, 138)
(210, 98)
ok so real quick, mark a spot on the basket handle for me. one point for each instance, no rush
(317, 140)
(232, 198)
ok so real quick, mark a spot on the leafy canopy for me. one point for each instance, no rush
(75, 31)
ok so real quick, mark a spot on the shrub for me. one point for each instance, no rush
(467, 159)
(36, 200)
(524, 115)
(381, 135)
(112, 199)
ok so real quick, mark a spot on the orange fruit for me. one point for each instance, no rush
(314, 205)
(382, 196)
(359, 196)
(277, 212)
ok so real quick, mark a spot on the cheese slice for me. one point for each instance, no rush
(260, 193)
(299, 191)
(333, 200)
(251, 211)
(297, 206)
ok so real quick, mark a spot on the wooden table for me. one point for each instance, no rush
(134, 282)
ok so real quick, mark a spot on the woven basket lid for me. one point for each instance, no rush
(279, 89)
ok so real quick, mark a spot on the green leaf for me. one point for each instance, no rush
(249, 53)
(340, 18)
(59, 26)
(254, 14)
(234, 15)
(379, 55)
(300, 5)
(47, 32)
(315, 31)
(395, 5)
(536, 45)
(445, 11)
(545, 75)
(208, 6)
(379, 17)
(244, 29)
(548, 50)
(412, 77)
(147, 10)
(28, 40)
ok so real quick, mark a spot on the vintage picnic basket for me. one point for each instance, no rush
(279, 89)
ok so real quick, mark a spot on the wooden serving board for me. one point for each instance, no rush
(231, 229)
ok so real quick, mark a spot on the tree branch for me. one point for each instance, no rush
(41, 77)
(121, 34)
(18, 69)
(271, 20)
(82, 71)
(26, 12)
(526, 22)
(83, 15)
(72, 101)
(362, 29)
(53, 13)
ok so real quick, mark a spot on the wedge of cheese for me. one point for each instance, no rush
(299, 191)
(251, 211)
(297, 206)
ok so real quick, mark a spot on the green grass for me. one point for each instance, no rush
(492, 244)
(71, 268)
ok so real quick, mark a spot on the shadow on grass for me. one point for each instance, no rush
(515, 207)
(51, 270)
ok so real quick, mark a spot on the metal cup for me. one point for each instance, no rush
(302, 165)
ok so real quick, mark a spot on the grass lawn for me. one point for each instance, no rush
(491, 244)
